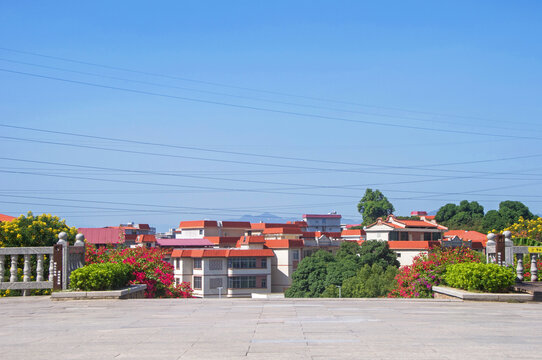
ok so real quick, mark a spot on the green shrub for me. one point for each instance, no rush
(103, 276)
(477, 276)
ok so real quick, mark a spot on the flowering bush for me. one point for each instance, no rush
(426, 271)
(30, 230)
(525, 228)
(148, 268)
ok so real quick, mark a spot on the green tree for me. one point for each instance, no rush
(377, 252)
(509, 213)
(370, 281)
(465, 216)
(309, 279)
(30, 230)
(374, 205)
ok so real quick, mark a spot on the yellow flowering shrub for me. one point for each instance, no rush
(531, 229)
(30, 230)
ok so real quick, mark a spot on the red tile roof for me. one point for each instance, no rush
(6, 218)
(466, 235)
(353, 232)
(101, 236)
(236, 224)
(282, 230)
(223, 240)
(146, 238)
(143, 226)
(262, 226)
(283, 244)
(197, 224)
(183, 242)
(412, 245)
(199, 253)
(253, 239)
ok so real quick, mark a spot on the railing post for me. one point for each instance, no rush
(2, 259)
(39, 267)
(26, 272)
(519, 269)
(51, 268)
(534, 269)
(13, 269)
(62, 241)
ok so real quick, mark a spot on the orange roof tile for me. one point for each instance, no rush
(146, 238)
(353, 232)
(283, 230)
(6, 218)
(197, 224)
(412, 245)
(222, 240)
(198, 253)
(283, 243)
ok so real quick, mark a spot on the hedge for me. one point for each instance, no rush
(478, 276)
(104, 276)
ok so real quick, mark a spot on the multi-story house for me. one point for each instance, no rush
(408, 238)
(224, 272)
(326, 223)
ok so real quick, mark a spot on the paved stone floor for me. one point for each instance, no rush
(38, 328)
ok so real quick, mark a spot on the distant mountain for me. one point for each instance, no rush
(265, 217)
(272, 218)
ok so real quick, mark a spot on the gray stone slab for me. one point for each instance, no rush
(472, 296)
(88, 295)
(36, 327)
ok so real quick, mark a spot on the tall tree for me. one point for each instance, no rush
(374, 205)
(509, 213)
(465, 216)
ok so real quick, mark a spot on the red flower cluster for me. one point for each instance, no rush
(417, 280)
(149, 268)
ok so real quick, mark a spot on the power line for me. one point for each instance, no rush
(238, 96)
(422, 167)
(289, 95)
(284, 112)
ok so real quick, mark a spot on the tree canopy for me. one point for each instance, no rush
(465, 216)
(321, 273)
(509, 213)
(374, 205)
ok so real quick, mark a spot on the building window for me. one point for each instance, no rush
(404, 236)
(394, 235)
(215, 264)
(295, 255)
(215, 283)
(242, 263)
(201, 231)
(398, 255)
(197, 282)
(242, 282)
(436, 236)
(264, 283)
(177, 264)
(197, 263)
(263, 263)
(427, 236)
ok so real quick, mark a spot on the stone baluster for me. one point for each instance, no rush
(26, 272)
(519, 269)
(39, 267)
(51, 267)
(13, 270)
(2, 258)
(534, 269)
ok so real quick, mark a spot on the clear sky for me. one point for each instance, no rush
(116, 111)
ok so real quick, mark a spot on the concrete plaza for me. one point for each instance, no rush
(38, 328)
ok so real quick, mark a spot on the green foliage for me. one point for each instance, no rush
(322, 272)
(482, 277)
(370, 281)
(509, 213)
(526, 242)
(101, 276)
(30, 230)
(377, 252)
(374, 205)
(310, 276)
(465, 216)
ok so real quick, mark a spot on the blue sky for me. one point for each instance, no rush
(246, 107)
